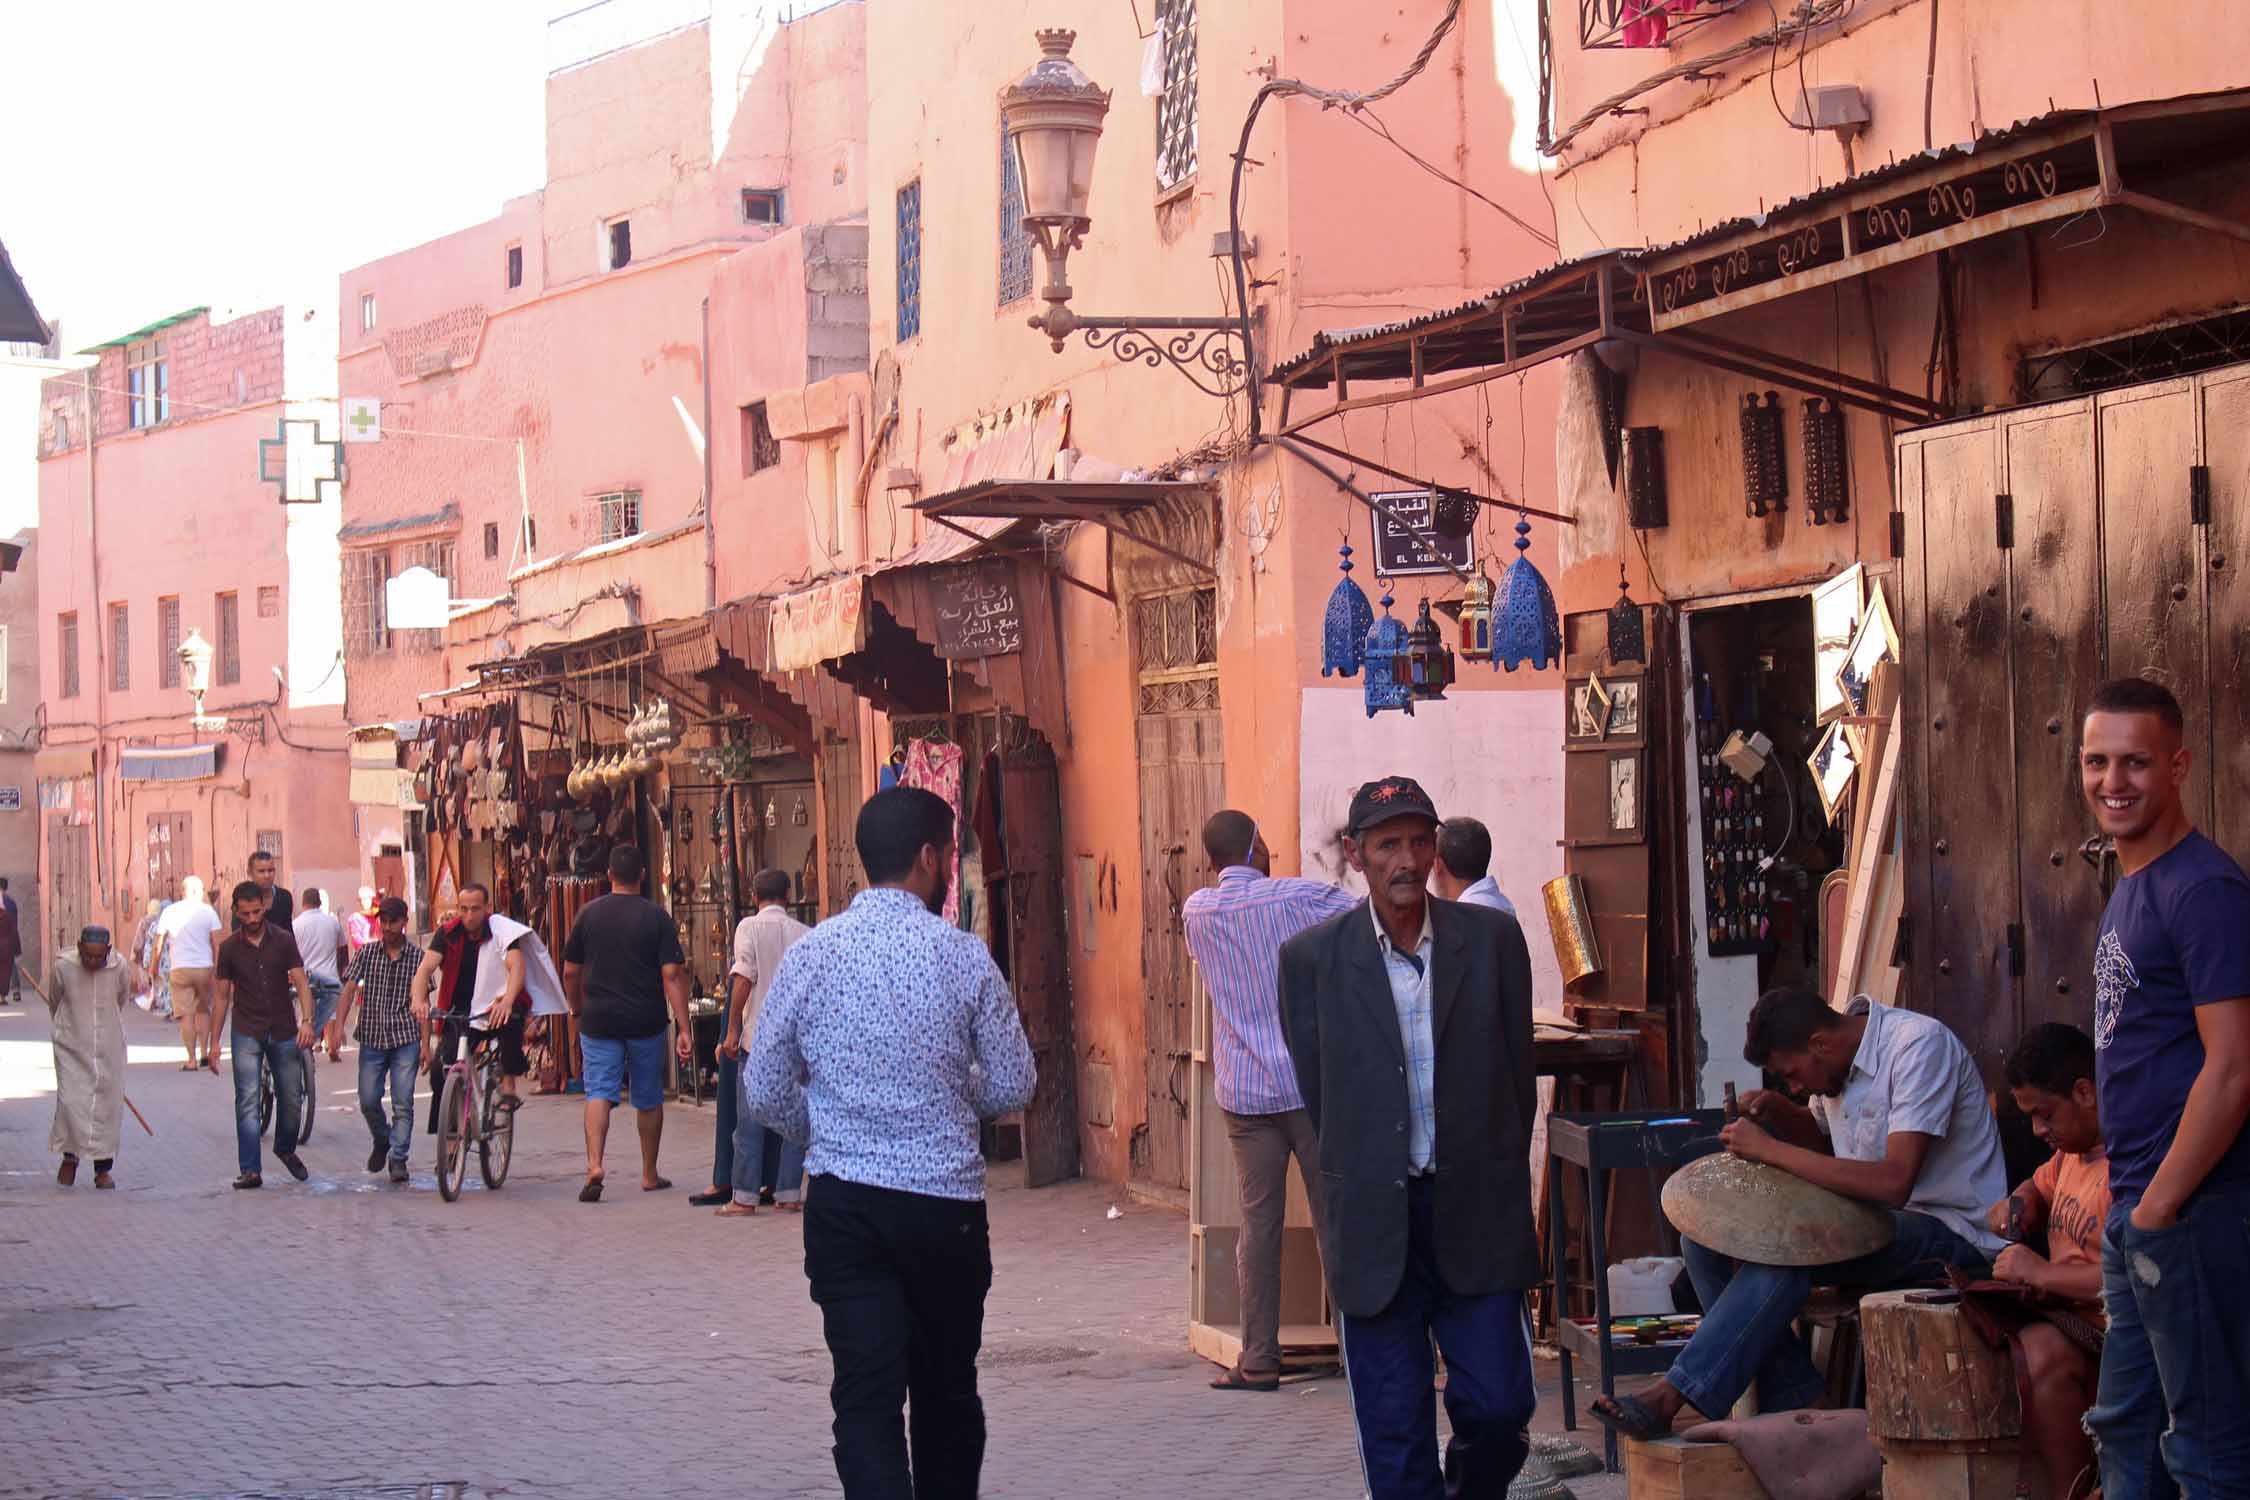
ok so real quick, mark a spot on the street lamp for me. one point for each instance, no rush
(1053, 116)
(195, 676)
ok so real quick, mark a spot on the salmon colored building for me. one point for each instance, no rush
(1892, 332)
(158, 527)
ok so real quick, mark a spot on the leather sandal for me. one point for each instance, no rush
(1235, 1380)
(67, 1173)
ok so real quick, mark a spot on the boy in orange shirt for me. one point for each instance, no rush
(2051, 1074)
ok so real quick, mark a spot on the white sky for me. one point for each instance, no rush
(241, 153)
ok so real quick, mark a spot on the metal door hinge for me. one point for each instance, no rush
(2199, 494)
(1898, 533)
(2015, 949)
(2004, 520)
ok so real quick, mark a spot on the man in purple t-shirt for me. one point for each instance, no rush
(2172, 1055)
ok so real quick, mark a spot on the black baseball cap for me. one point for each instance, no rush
(1391, 797)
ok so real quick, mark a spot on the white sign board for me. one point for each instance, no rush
(363, 419)
(416, 600)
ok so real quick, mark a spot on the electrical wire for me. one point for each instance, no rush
(1372, 123)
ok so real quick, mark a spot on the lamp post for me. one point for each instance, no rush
(1053, 115)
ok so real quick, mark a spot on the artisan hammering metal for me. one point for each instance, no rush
(1755, 1212)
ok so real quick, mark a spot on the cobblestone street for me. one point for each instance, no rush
(344, 1337)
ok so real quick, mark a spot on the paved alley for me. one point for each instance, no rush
(347, 1338)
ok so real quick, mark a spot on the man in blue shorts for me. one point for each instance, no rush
(621, 969)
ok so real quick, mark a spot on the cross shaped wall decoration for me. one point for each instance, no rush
(308, 470)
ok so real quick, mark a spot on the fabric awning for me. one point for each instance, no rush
(169, 762)
(61, 762)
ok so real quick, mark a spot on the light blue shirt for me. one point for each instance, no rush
(1410, 996)
(1235, 930)
(1485, 891)
(887, 1035)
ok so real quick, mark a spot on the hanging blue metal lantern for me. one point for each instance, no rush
(1525, 626)
(1343, 633)
(1387, 642)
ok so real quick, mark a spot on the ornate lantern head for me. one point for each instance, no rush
(1053, 116)
(1525, 625)
(1474, 639)
(1386, 643)
(1427, 667)
(1343, 631)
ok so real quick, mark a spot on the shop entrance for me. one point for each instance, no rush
(1758, 842)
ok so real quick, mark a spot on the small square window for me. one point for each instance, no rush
(515, 267)
(761, 206)
(760, 450)
(491, 539)
(620, 243)
(269, 842)
(620, 515)
(269, 601)
(366, 312)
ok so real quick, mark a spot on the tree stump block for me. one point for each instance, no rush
(1930, 1379)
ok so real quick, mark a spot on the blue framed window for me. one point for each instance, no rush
(910, 260)
(1015, 240)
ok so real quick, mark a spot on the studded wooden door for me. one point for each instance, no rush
(70, 902)
(1182, 782)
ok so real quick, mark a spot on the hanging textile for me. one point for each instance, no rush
(936, 767)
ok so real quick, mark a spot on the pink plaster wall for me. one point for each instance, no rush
(583, 364)
(178, 510)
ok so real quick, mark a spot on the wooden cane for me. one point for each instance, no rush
(129, 1104)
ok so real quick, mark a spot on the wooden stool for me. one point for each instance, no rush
(1835, 1312)
(1941, 1405)
(1674, 1469)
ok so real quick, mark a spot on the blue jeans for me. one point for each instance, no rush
(1745, 1335)
(2168, 1415)
(288, 1063)
(1489, 1395)
(400, 1065)
(325, 993)
(754, 1147)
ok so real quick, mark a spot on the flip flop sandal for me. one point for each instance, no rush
(662, 1184)
(736, 1210)
(715, 1195)
(1235, 1380)
(1632, 1419)
(591, 1192)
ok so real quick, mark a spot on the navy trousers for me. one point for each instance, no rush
(1489, 1395)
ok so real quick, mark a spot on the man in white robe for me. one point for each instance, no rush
(91, 987)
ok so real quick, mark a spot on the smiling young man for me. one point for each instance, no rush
(1898, 1119)
(2172, 1042)
(1408, 1021)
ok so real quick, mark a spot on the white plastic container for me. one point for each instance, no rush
(1642, 1287)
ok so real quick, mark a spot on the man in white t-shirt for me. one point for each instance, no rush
(320, 941)
(187, 938)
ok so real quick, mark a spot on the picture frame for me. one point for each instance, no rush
(1598, 711)
(1875, 641)
(1833, 763)
(1627, 794)
(1836, 607)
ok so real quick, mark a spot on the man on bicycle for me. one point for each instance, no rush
(484, 967)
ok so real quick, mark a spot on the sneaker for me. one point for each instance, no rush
(398, 1169)
(296, 1166)
(378, 1156)
(249, 1180)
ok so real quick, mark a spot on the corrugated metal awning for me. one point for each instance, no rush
(169, 762)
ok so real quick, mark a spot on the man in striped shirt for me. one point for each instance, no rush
(1235, 930)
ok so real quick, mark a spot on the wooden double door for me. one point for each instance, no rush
(2046, 549)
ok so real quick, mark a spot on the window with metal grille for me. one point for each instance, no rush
(1176, 651)
(760, 449)
(148, 384)
(491, 539)
(761, 206)
(269, 601)
(1015, 240)
(515, 267)
(910, 260)
(269, 842)
(618, 515)
(2165, 353)
(66, 647)
(366, 621)
(168, 641)
(120, 649)
(1175, 107)
(229, 610)
(438, 557)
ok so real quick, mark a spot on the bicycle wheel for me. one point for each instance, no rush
(496, 1136)
(265, 1096)
(452, 1139)
(310, 1104)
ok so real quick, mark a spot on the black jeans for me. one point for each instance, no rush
(900, 1279)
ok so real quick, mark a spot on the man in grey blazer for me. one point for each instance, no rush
(1409, 1024)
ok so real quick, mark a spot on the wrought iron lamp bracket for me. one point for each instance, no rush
(1213, 353)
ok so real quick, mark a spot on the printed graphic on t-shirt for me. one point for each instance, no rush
(2113, 978)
